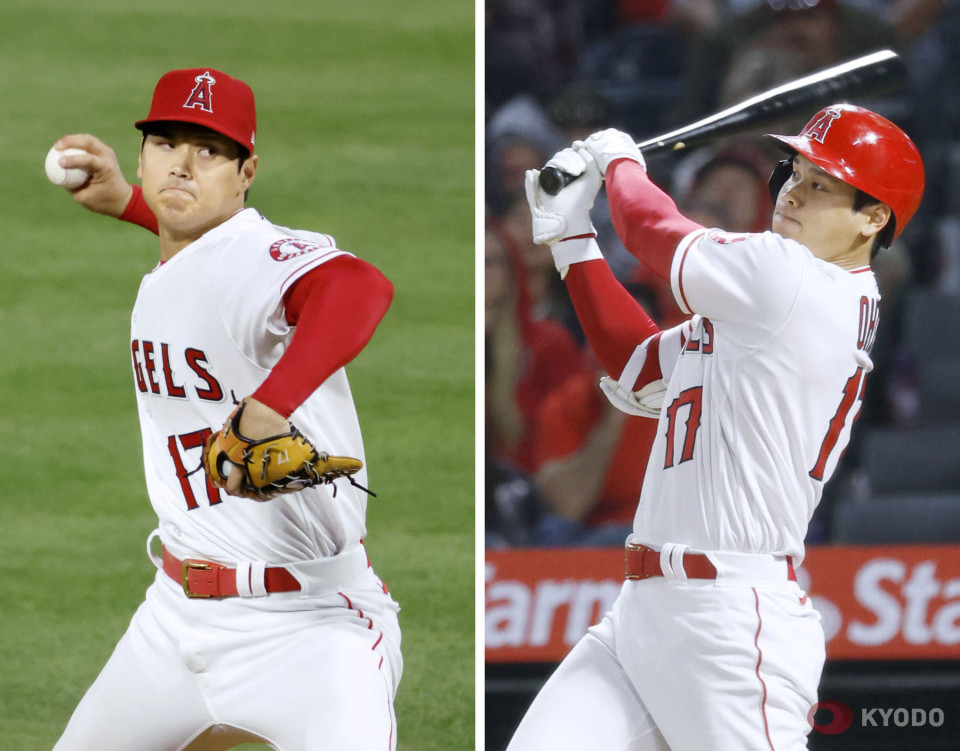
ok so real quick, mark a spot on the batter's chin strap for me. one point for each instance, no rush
(781, 173)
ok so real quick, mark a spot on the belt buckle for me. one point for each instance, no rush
(641, 549)
(189, 564)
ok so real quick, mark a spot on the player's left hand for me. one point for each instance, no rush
(258, 454)
(607, 146)
(566, 214)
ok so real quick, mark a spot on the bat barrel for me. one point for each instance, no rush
(870, 75)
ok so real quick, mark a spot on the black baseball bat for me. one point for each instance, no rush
(870, 75)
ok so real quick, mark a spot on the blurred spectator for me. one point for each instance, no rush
(531, 46)
(603, 17)
(543, 288)
(751, 50)
(591, 459)
(526, 358)
(513, 506)
(519, 137)
(727, 186)
(581, 110)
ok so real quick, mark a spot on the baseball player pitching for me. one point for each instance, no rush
(711, 645)
(266, 621)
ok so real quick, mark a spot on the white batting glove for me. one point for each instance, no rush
(646, 402)
(607, 146)
(563, 221)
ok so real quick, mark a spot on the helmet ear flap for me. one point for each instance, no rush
(779, 176)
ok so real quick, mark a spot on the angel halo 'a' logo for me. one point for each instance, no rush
(722, 237)
(202, 96)
(818, 129)
(291, 247)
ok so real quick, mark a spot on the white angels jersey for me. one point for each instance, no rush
(207, 327)
(760, 403)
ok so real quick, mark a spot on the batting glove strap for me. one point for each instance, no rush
(550, 229)
(574, 250)
(607, 146)
(567, 214)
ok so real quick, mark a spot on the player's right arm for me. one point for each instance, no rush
(107, 191)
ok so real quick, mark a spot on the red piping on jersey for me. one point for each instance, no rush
(360, 614)
(318, 258)
(651, 370)
(756, 642)
(683, 260)
(379, 664)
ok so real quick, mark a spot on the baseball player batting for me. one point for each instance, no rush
(711, 644)
(266, 621)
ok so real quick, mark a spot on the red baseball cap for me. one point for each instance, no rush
(208, 97)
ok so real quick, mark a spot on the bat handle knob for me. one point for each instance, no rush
(553, 180)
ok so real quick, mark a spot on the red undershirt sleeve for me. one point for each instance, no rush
(646, 219)
(612, 320)
(137, 212)
(335, 308)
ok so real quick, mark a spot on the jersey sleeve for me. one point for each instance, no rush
(252, 276)
(747, 279)
(335, 308)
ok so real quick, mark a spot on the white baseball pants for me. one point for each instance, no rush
(298, 673)
(686, 666)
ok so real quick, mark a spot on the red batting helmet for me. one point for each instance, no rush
(204, 96)
(864, 150)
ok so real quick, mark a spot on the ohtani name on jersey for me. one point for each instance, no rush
(154, 373)
(869, 318)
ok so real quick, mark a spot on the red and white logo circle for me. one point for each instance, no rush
(291, 247)
(721, 237)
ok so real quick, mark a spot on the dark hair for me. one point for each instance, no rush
(884, 239)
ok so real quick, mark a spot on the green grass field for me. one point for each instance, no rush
(366, 132)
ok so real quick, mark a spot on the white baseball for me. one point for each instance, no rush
(67, 178)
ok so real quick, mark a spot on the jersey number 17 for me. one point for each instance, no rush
(852, 397)
(853, 391)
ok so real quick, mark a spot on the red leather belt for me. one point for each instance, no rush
(642, 562)
(214, 580)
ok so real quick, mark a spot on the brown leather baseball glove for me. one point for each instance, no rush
(284, 463)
